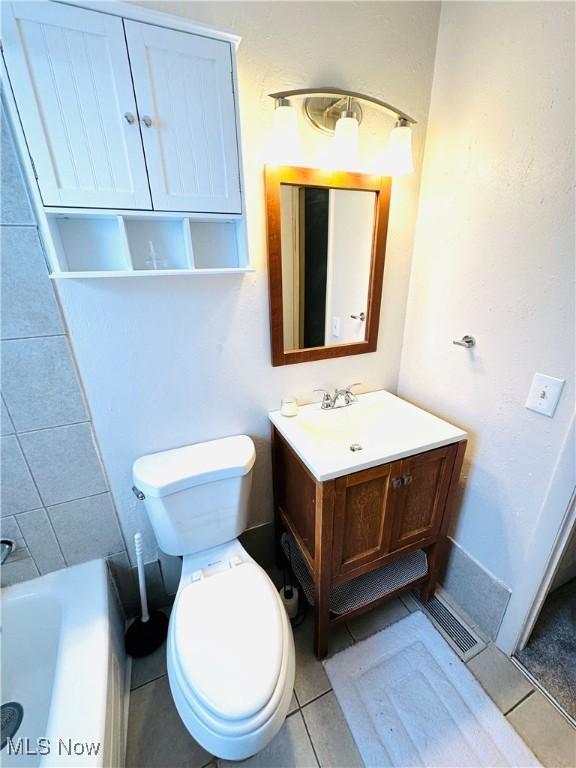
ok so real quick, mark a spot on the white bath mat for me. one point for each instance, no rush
(409, 701)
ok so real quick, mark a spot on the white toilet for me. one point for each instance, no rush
(230, 648)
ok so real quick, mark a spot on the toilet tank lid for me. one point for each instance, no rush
(159, 474)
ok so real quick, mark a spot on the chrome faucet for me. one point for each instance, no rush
(329, 402)
(6, 549)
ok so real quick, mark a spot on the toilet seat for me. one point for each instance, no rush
(232, 678)
(228, 640)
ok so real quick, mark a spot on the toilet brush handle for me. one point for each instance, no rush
(141, 579)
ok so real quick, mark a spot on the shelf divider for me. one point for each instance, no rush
(125, 245)
(189, 248)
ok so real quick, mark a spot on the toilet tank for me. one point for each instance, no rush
(197, 496)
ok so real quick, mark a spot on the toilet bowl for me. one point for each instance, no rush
(230, 650)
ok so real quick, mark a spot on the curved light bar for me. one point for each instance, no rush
(329, 91)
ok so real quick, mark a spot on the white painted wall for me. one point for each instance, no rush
(494, 257)
(170, 361)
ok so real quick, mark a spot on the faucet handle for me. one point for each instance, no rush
(326, 398)
(349, 396)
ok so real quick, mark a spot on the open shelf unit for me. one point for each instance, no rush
(85, 244)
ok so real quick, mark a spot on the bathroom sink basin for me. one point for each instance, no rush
(376, 429)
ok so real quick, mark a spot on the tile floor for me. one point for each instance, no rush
(315, 732)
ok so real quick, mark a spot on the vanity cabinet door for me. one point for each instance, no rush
(365, 505)
(71, 78)
(185, 93)
(422, 496)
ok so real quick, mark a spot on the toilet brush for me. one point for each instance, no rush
(148, 632)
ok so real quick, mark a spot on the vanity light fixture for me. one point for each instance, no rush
(346, 141)
(338, 112)
(399, 152)
(285, 145)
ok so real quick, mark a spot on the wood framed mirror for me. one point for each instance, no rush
(326, 249)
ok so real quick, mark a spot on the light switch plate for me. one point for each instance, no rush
(336, 327)
(544, 394)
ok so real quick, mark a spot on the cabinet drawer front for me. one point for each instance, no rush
(425, 481)
(364, 502)
(71, 78)
(185, 97)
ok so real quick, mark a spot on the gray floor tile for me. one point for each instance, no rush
(290, 748)
(149, 667)
(293, 704)
(410, 602)
(331, 737)
(545, 731)
(376, 619)
(311, 680)
(501, 680)
(157, 738)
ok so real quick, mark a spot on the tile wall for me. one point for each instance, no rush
(54, 496)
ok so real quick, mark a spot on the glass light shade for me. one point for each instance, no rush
(346, 144)
(285, 144)
(399, 153)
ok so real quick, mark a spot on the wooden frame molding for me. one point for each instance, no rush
(309, 177)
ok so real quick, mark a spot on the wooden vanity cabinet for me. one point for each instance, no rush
(364, 520)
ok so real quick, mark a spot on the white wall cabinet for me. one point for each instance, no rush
(113, 108)
(129, 118)
(185, 96)
(71, 78)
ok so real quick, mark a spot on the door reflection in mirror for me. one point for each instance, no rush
(326, 242)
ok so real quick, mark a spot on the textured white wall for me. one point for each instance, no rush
(494, 257)
(170, 361)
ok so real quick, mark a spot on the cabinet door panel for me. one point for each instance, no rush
(71, 78)
(364, 503)
(419, 516)
(183, 83)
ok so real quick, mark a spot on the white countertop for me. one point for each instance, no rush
(386, 427)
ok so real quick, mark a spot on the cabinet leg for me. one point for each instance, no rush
(434, 559)
(427, 590)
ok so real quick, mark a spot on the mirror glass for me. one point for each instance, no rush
(327, 237)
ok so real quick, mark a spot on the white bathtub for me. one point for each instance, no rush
(63, 660)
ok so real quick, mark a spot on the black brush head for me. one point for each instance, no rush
(144, 637)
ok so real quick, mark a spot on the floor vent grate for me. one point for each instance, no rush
(462, 639)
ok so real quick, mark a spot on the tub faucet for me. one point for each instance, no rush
(6, 549)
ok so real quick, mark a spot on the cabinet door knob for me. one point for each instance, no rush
(129, 117)
(407, 479)
(147, 121)
(396, 482)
